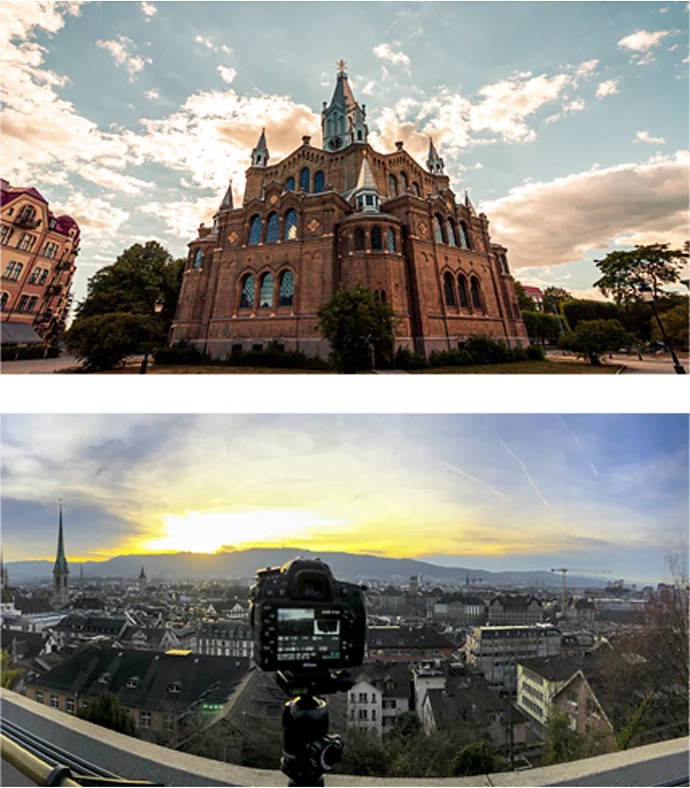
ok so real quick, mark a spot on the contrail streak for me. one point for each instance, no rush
(576, 440)
(474, 479)
(524, 468)
(594, 470)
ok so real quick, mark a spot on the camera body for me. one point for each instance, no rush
(305, 621)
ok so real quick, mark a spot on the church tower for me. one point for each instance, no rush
(143, 582)
(4, 579)
(60, 571)
(260, 154)
(343, 121)
(434, 162)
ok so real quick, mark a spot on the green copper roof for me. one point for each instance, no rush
(60, 561)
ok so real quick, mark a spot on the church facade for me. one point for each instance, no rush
(345, 214)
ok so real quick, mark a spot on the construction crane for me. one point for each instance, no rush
(564, 571)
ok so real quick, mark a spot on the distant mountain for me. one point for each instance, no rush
(244, 564)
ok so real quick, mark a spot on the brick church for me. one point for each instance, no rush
(344, 214)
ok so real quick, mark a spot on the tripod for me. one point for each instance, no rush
(308, 749)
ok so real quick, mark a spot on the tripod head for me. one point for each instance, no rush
(308, 749)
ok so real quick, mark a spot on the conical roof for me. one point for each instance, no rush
(433, 154)
(261, 144)
(342, 95)
(227, 199)
(60, 560)
(365, 181)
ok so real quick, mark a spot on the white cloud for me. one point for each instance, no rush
(152, 94)
(182, 218)
(149, 9)
(369, 88)
(227, 74)
(607, 88)
(120, 48)
(586, 69)
(641, 44)
(205, 41)
(645, 136)
(386, 52)
(93, 213)
(226, 49)
(546, 224)
(109, 179)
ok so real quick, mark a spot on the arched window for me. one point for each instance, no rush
(476, 293)
(266, 291)
(450, 227)
(383, 301)
(390, 240)
(359, 135)
(272, 228)
(438, 229)
(415, 189)
(286, 291)
(504, 264)
(198, 257)
(462, 232)
(392, 186)
(3, 301)
(404, 182)
(290, 184)
(448, 290)
(290, 231)
(26, 214)
(247, 297)
(359, 240)
(255, 230)
(319, 181)
(376, 238)
(304, 179)
(462, 290)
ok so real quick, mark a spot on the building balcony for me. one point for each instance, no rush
(135, 759)
(26, 223)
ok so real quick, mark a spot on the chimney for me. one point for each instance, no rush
(399, 145)
(306, 140)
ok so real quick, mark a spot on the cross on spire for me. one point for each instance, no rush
(341, 66)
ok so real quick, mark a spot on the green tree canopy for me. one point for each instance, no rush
(675, 321)
(105, 710)
(624, 274)
(475, 759)
(357, 327)
(541, 326)
(579, 309)
(554, 297)
(7, 673)
(405, 726)
(592, 338)
(525, 303)
(105, 341)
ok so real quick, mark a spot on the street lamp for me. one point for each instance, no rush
(157, 309)
(649, 297)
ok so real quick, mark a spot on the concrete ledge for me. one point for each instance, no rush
(136, 759)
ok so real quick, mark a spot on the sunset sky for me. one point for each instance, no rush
(567, 122)
(491, 492)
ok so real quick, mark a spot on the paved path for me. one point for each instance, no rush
(650, 365)
(39, 366)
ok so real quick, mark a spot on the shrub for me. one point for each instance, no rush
(535, 353)
(445, 358)
(485, 350)
(276, 357)
(520, 354)
(406, 359)
(23, 352)
(105, 341)
(179, 353)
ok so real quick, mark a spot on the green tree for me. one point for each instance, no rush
(105, 710)
(357, 327)
(7, 673)
(580, 309)
(475, 759)
(364, 754)
(624, 274)
(675, 322)
(593, 338)
(553, 298)
(562, 742)
(405, 726)
(541, 326)
(525, 302)
(105, 341)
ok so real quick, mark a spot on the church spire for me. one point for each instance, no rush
(434, 162)
(366, 192)
(343, 120)
(60, 570)
(227, 202)
(260, 154)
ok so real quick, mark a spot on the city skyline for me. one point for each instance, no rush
(132, 117)
(490, 492)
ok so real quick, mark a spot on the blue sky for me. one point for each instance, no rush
(567, 122)
(484, 491)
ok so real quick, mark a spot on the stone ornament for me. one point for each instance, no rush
(314, 225)
(233, 237)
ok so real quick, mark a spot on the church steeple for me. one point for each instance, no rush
(434, 162)
(227, 203)
(60, 570)
(260, 154)
(343, 121)
(366, 193)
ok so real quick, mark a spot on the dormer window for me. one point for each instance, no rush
(175, 688)
(132, 683)
(104, 678)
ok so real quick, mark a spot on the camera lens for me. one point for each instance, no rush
(331, 752)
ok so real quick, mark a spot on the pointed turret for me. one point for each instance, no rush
(468, 204)
(227, 203)
(60, 570)
(343, 121)
(366, 192)
(260, 154)
(143, 582)
(434, 162)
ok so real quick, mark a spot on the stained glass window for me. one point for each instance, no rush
(462, 289)
(390, 240)
(448, 290)
(476, 298)
(287, 289)
(266, 291)
(272, 228)
(290, 232)
(451, 233)
(247, 299)
(304, 179)
(255, 231)
(359, 240)
(290, 184)
(319, 181)
(376, 238)
(438, 230)
(198, 257)
(462, 231)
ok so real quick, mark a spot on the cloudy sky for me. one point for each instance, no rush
(567, 122)
(486, 491)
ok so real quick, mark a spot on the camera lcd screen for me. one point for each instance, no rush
(307, 634)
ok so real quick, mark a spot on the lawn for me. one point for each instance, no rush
(211, 369)
(564, 367)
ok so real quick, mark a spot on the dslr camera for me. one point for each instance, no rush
(306, 621)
